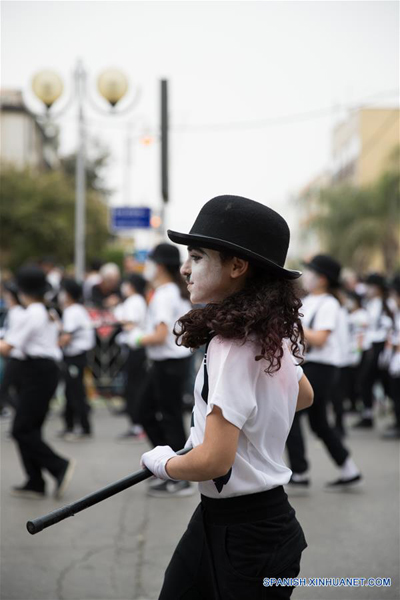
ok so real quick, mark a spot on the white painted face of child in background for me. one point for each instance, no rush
(207, 276)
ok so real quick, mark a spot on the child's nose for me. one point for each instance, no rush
(185, 269)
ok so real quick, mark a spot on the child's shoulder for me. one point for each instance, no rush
(234, 350)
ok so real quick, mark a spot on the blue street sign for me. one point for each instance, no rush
(128, 217)
(141, 255)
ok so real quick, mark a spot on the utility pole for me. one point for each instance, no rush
(80, 204)
(164, 150)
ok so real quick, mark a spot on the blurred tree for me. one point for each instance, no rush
(356, 224)
(37, 215)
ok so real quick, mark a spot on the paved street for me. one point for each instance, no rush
(119, 549)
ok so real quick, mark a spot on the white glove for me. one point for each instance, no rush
(394, 367)
(156, 459)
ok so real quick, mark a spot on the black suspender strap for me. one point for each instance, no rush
(205, 390)
(219, 482)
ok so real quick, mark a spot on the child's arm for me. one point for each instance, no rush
(209, 460)
(306, 394)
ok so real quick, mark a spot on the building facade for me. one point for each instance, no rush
(23, 141)
(362, 145)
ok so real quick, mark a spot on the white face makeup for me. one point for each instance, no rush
(208, 278)
(311, 281)
(62, 298)
(150, 270)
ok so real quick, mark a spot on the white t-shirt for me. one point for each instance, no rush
(37, 334)
(343, 336)
(379, 323)
(358, 323)
(76, 321)
(166, 306)
(15, 316)
(133, 310)
(262, 406)
(324, 311)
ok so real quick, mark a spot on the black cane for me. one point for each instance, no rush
(37, 525)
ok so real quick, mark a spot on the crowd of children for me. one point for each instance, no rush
(352, 343)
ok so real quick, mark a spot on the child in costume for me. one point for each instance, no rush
(246, 395)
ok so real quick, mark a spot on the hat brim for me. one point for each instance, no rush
(203, 241)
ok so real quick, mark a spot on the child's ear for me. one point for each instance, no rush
(239, 267)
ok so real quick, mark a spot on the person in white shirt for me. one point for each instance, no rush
(132, 316)
(393, 431)
(246, 395)
(37, 338)
(161, 406)
(11, 374)
(358, 324)
(76, 339)
(321, 315)
(380, 323)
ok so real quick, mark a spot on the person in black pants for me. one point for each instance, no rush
(76, 339)
(37, 338)
(321, 310)
(380, 324)
(161, 407)
(132, 317)
(244, 533)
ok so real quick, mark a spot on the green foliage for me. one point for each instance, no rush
(37, 216)
(96, 164)
(356, 224)
(113, 254)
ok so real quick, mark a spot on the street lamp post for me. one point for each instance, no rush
(80, 178)
(48, 87)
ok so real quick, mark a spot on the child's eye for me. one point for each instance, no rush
(195, 257)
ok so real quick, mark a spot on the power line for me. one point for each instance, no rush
(255, 124)
(282, 120)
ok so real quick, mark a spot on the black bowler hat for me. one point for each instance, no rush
(376, 279)
(245, 228)
(395, 283)
(31, 280)
(327, 266)
(166, 254)
(73, 288)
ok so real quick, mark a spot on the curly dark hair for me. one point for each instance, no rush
(266, 310)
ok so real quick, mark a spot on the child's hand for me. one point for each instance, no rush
(156, 459)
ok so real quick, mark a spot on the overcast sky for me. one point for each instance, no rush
(228, 63)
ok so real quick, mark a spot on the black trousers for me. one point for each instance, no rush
(322, 379)
(351, 383)
(161, 404)
(395, 387)
(76, 407)
(39, 378)
(337, 396)
(135, 376)
(10, 382)
(370, 373)
(231, 545)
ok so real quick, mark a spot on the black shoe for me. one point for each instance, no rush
(341, 484)
(130, 436)
(392, 433)
(27, 491)
(340, 432)
(64, 478)
(169, 489)
(298, 487)
(364, 423)
(63, 433)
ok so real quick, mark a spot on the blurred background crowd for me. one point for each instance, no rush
(91, 219)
